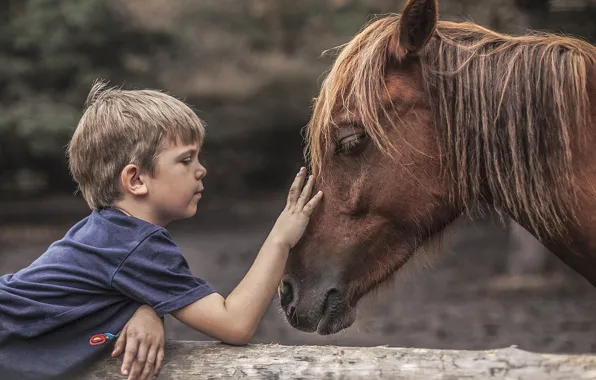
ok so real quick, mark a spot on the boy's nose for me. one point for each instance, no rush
(202, 172)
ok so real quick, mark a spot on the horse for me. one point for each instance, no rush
(419, 122)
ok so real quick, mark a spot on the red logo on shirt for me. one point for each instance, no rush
(98, 339)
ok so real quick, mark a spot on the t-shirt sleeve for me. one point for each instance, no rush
(157, 274)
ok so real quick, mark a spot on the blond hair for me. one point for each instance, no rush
(121, 127)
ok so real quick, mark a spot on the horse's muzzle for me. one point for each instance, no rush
(324, 309)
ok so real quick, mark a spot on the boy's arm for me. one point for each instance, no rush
(235, 319)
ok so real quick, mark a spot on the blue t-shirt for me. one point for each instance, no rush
(61, 311)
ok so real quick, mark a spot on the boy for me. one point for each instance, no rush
(135, 157)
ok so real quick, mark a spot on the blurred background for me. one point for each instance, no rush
(250, 69)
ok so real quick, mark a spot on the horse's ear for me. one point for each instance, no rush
(416, 26)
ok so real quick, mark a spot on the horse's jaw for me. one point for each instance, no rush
(341, 313)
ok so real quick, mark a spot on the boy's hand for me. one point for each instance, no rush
(142, 341)
(291, 223)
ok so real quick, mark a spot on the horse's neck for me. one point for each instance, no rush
(585, 172)
(579, 250)
(592, 95)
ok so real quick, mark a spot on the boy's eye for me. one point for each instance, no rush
(187, 160)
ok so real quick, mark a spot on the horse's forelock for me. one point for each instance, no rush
(356, 84)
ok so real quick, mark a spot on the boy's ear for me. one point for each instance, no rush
(131, 180)
(416, 26)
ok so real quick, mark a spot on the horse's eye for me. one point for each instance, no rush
(350, 144)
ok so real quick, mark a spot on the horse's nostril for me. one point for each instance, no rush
(286, 294)
(286, 288)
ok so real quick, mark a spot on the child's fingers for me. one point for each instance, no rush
(120, 344)
(310, 206)
(296, 186)
(158, 362)
(130, 353)
(305, 193)
(139, 362)
(149, 363)
(135, 371)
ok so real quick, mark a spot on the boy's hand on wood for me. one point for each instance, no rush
(292, 222)
(142, 341)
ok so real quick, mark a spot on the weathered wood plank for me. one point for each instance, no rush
(209, 360)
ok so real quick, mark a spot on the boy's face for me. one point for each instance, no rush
(175, 188)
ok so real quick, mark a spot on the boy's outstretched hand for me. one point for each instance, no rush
(292, 222)
(235, 319)
(142, 341)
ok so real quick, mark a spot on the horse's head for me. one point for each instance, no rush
(418, 121)
(375, 152)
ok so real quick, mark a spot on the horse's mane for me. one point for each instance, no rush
(510, 111)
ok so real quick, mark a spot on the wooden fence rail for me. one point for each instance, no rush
(209, 360)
